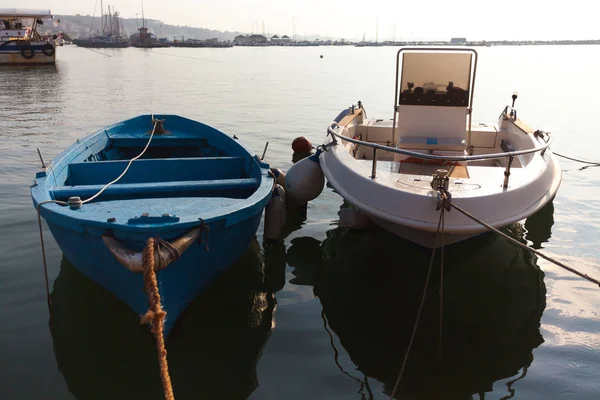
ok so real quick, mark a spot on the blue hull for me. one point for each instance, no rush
(178, 284)
(191, 174)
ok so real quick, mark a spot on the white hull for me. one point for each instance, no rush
(427, 239)
(404, 203)
(405, 172)
(33, 53)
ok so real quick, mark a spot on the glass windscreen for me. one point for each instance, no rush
(435, 79)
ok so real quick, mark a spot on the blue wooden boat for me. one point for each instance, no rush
(194, 187)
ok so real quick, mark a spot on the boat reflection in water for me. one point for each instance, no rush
(370, 285)
(212, 353)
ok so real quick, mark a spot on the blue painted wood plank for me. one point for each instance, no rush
(156, 170)
(141, 189)
(157, 141)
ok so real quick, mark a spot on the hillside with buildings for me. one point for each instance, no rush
(77, 26)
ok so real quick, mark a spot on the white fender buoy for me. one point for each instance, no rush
(279, 176)
(305, 180)
(353, 218)
(275, 214)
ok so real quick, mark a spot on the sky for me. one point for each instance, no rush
(351, 19)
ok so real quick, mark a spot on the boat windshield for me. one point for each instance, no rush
(435, 79)
(21, 24)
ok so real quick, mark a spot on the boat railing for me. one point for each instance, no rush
(509, 112)
(510, 155)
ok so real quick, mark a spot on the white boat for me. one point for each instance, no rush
(397, 172)
(20, 42)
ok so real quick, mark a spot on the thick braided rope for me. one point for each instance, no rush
(155, 315)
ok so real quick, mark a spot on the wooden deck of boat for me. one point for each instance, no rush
(395, 167)
(454, 171)
(348, 118)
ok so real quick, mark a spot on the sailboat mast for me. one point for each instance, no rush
(143, 18)
(117, 25)
(102, 16)
(110, 21)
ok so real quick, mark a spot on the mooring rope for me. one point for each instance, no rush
(62, 203)
(523, 246)
(414, 332)
(126, 168)
(99, 52)
(188, 57)
(575, 159)
(441, 286)
(155, 316)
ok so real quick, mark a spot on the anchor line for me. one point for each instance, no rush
(591, 164)
(416, 325)
(441, 286)
(575, 159)
(182, 56)
(156, 315)
(62, 203)
(523, 246)
(99, 52)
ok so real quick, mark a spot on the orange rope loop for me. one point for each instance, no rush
(155, 315)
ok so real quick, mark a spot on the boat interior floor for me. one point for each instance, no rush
(454, 171)
(130, 211)
(396, 167)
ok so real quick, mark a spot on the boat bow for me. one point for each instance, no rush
(164, 254)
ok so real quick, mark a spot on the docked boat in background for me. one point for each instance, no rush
(111, 35)
(146, 40)
(182, 42)
(402, 173)
(199, 192)
(20, 42)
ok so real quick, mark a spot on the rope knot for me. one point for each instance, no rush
(155, 314)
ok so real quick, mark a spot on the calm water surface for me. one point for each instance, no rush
(328, 313)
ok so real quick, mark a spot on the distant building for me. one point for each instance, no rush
(275, 38)
(240, 40)
(252, 40)
(458, 40)
(257, 39)
(285, 38)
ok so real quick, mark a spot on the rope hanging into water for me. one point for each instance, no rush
(155, 315)
(99, 52)
(188, 57)
(62, 203)
(575, 159)
(441, 286)
(414, 332)
(126, 168)
(523, 246)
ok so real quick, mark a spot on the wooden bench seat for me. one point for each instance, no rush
(163, 188)
(156, 170)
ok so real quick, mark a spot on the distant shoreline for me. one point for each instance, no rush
(427, 43)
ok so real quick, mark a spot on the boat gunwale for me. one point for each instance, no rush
(432, 225)
(232, 214)
(465, 158)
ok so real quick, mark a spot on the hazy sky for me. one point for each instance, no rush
(433, 19)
